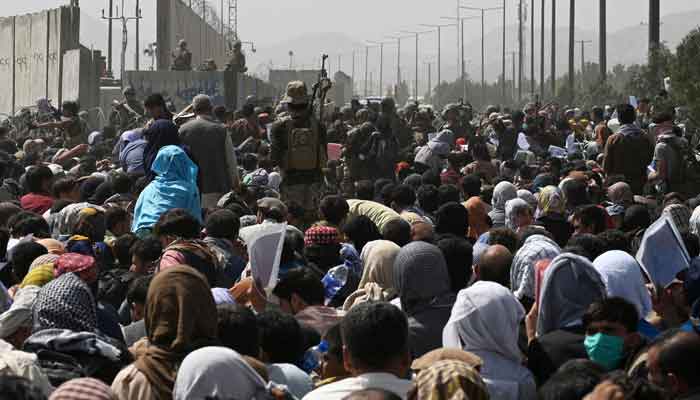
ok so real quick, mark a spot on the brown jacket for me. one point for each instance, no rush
(629, 156)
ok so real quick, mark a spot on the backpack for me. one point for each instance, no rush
(113, 285)
(303, 152)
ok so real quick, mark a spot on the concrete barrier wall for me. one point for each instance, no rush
(180, 87)
(176, 21)
(32, 47)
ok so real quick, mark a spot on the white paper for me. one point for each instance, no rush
(265, 251)
(662, 252)
(633, 101)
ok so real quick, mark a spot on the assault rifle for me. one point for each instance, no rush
(321, 88)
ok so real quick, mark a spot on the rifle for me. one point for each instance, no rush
(320, 88)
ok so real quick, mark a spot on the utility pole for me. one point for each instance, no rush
(339, 69)
(430, 84)
(366, 67)
(554, 48)
(124, 21)
(532, 48)
(654, 35)
(353, 72)
(109, 39)
(462, 62)
(513, 54)
(483, 61)
(603, 55)
(572, 43)
(136, 40)
(439, 57)
(520, 50)
(503, 56)
(398, 57)
(583, 59)
(542, 83)
(381, 65)
(415, 88)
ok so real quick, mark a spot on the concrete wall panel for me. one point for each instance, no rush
(6, 64)
(54, 56)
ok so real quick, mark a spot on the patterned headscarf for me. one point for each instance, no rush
(38, 276)
(65, 303)
(528, 197)
(503, 192)
(550, 200)
(448, 380)
(680, 215)
(83, 389)
(84, 266)
(43, 260)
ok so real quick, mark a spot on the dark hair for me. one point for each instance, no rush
(335, 341)
(374, 334)
(636, 388)
(403, 195)
(122, 249)
(304, 282)
(452, 218)
(385, 195)
(121, 183)
(147, 250)
(373, 394)
(138, 290)
(626, 114)
(223, 224)
(249, 161)
(692, 244)
(592, 245)
(636, 217)
(177, 222)
(361, 230)
(35, 178)
(334, 209)
(71, 106)
(22, 256)
(428, 198)
(662, 116)
(398, 231)
(591, 216)
(155, 100)
(531, 231)
(613, 309)
(115, 215)
(448, 193)
(27, 222)
(471, 186)
(431, 177)
(458, 255)
(280, 337)
(364, 190)
(379, 184)
(614, 239)
(238, 329)
(7, 211)
(19, 388)
(597, 112)
(505, 237)
(573, 381)
(480, 152)
(679, 355)
(63, 185)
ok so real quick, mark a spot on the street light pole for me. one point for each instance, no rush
(398, 60)
(463, 71)
(583, 58)
(603, 55)
(415, 88)
(554, 49)
(542, 83)
(503, 56)
(124, 21)
(353, 72)
(366, 67)
(381, 64)
(483, 62)
(439, 56)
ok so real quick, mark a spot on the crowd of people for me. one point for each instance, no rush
(543, 253)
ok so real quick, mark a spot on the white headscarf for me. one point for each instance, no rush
(513, 208)
(623, 277)
(485, 318)
(20, 312)
(503, 192)
(695, 222)
(570, 285)
(218, 372)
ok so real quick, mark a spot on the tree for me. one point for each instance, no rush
(685, 74)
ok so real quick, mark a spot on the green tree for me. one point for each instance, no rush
(685, 74)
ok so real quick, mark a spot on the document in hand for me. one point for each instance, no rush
(662, 252)
(265, 251)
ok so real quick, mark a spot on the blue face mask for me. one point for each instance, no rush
(524, 127)
(605, 350)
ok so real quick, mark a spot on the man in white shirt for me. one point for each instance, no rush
(375, 351)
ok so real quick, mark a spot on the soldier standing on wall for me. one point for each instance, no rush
(298, 148)
(182, 58)
(237, 62)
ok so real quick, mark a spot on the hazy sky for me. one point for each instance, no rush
(269, 21)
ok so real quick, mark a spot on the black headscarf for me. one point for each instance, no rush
(160, 134)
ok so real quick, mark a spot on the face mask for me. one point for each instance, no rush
(605, 350)
(525, 127)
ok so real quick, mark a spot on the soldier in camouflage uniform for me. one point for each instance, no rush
(182, 58)
(127, 114)
(298, 149)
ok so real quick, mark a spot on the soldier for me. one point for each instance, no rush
(182, 58)
(237, 62)
(73, 130)
(298, 148)
(127, 114)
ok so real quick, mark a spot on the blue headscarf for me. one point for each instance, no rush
(159, 134)
(174, 186)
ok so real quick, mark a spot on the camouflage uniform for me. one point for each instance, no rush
(299, 184)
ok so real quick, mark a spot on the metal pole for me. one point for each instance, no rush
(366, 67)
(353, 72)
(398, 63)
(138, 52)
(513, 54)
(603, 55)
(460, 37)
(520, 50)
(554, 48)
(532, 48)
(415, 89)
(124, 43)
(503, 66)
(338, 62)
(483, 79)
(464, 76)
(542, 83)
(572, 21)
(430, 92)
(438, 56)
(381, 68)
(109, 38)
(654, 24)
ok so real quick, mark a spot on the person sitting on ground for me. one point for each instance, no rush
(38, 181)
(136, 298)
(222, 228)
(301, 294)
(376, 352)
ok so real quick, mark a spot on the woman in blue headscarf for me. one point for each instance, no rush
(159, 134)
(174, 186)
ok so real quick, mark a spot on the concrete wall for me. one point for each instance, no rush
(180, 87)
(32, 47)
(176, 20)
